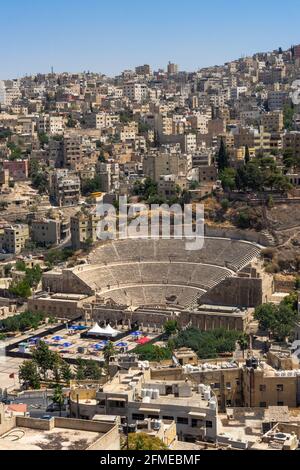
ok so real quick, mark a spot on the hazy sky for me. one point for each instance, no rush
(110, 36)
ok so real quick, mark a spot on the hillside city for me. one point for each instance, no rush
(139, 343)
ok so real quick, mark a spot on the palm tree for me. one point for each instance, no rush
(58, 397)
(243, 343)
(109, 351)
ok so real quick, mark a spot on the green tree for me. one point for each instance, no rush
(288, 116)
(21, 289)
(109, 351)
(225, 204)
(92, 370)
(15, 151)
(228, 179)
(142, 441)
(43, 138)
(20, 265)
(153, 353)
(80, 369)
(222, 157)
(277, 319)
(247, 155)
(265, 315)
(66, 372)
(56, 367)
(171, 327)
(58, 397)
(91, 186)
(243, 343)
(44, 358)
(29, 375)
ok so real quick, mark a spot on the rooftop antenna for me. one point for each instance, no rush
(52, 70)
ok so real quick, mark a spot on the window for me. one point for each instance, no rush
(279, 388)
(197, 423)
(153, 416)
(217, 385)
(168, 418)
(280, 403)
(101, 403)
(138, 417)
(262, 388)
(228, 385)
(208, 424)
(263, 404)
(117, 404)
(181, 420)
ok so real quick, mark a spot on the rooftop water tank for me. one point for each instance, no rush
(213, 404)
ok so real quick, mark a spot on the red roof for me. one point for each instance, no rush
(143, 340)
(18, 408)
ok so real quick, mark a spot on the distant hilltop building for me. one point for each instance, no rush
(172, 68)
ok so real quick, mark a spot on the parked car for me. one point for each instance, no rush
(55, 407)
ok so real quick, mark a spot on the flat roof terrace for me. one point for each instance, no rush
(54, 439)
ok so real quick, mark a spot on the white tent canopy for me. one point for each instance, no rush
(109, 331)
(97, 330)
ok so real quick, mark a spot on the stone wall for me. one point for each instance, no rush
(236, 234)
(201, 320)
(6, 422)
(284, 285)
(236, 291)
(35, 423)
(66, 281)
(110, 441)
(53, 307)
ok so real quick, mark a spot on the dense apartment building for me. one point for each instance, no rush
(72, 152)
(18, 169)
(50, 124)
(291, 140)
(48, 232)
(165, 163)
(83, 229)
(193, 408)
(273, 121)
(65, 188)
(143, 70)
(101, 120)
(135, 91)
(13, 239)
(172, 68)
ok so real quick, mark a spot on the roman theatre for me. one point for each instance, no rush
(149, 281)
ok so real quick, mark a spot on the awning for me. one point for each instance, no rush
(116, 399)
(198, 415)
(150, 410)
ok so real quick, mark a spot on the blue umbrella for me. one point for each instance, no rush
(121, 345)
(57, 338)
(33, 340)
(136, 333)
(67, 345)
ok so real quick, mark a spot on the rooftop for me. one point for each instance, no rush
(54, 439)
